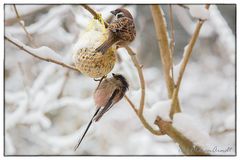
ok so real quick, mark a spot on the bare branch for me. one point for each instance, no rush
(141, 78)
(172, 42)
(165, 53)
(131, 104)
(66, 76)
(41, 58)
(23, 78)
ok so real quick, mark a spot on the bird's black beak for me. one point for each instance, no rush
(113, 74)
(113, 12)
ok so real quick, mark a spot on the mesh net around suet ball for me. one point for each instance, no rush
(87, 60)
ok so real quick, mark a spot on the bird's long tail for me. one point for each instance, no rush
(88, 126)
(105, 45)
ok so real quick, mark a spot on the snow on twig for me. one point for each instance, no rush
(189, 25)
(161, 109)
(199, 11)
(226, 37)
(189, 127)
(54, 13)
(14, 118)
(45, 53)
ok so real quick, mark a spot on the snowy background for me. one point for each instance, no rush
(47, 106)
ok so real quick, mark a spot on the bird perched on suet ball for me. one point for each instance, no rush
(121, 31)
(87, 60)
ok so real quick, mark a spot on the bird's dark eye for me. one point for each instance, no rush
(119, 15)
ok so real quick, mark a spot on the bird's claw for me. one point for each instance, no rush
(105, 76)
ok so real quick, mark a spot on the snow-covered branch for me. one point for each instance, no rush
(186, 144)
(94, 13)
(43, 53)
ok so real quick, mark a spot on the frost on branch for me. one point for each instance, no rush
(226, 37)
(188, 23)
(43, 51)
(175, 69)
(229, 122)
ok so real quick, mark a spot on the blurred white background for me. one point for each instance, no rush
(47, 106)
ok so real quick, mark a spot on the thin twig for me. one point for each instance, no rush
(165, 52)
(186, 57)
(94, 13)
(8, 21)
(131, 104)
(141, 78)
(20, 21)
(42, 58)
(172, 42)
(66, 76)
(23, 78)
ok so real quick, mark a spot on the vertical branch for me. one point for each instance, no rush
(165, 53)
(162, 37)
(66, 77)
(23, 78)
(172, 42)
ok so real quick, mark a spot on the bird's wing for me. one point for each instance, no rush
(119, 24)
(122, 27)
(107, 106)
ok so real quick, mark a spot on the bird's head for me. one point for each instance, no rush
(121, 12)
(121, 79)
